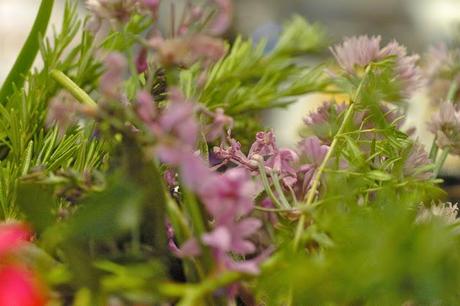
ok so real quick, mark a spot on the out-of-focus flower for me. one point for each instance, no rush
(112, 79)
(223, 18)
(445, 211)
(145, 107)
(445, 125)
(355, 53)
(442, 68)
(216, 128)
(188, 50)
(417, 162)
(141, 61)
(20, 287)
(12, 237)
(228, 196)
(63, 111)
(313, 152)
(178, 119)
(108, 10)
(151, 5)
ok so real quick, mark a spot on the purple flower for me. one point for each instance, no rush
(356, 53)
(112, 79)
(281, 162)
(234, 154)
(445, 125)
(223, 18)
(151, 5)
(264, 145)
(107, 10)
(416, 163)
(141, 61)
(228, 196)
(216, 128)
(188, 50)
(178, 119)
(145, 107)
(313, 150)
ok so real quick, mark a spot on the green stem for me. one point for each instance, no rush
(318, 173)
(25, 59)
(440, 162)
(452, 91)
(265, 182)
(73, 88)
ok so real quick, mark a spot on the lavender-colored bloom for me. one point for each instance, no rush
(141, 61)
(107, 10)
(356, 53)
(63, 111)
(216, 128)
(234, 154)
(145, 107)
(281, 162)
(223, 18)
(188, 50)
(445, 125)
(416, 162)
(178, 119)
(228, 196)
(264, 145)
(313, 150)
(407, 71)
(112, 79)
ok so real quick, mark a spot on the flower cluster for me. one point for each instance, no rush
(355, 53)
(445, 125)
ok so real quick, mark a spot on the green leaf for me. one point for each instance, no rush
(378, 175)
(37, 203)
(109, 213)
(24, 61)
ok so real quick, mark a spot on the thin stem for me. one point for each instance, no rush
(73, 88)
(279, 190)
(318, 173)
(440, 162)
(268, 189)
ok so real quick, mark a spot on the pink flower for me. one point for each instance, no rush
(188, 50)
(264, 145)
(445, 125)
(12, 237)
(216, 128)
(228, 196)
(313, 150)
(356, 53)
(223, 18)
(141, 61)
(112, 79)
(178, 119)
(20, 287)
(416, 161)
(281, 162)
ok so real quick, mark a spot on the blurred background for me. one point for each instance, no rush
(415, 23)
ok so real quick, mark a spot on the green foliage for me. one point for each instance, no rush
(249, 79)
(27, 144)
(379, 257)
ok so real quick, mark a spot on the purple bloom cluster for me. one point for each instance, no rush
(445, 125)
(355, 53)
